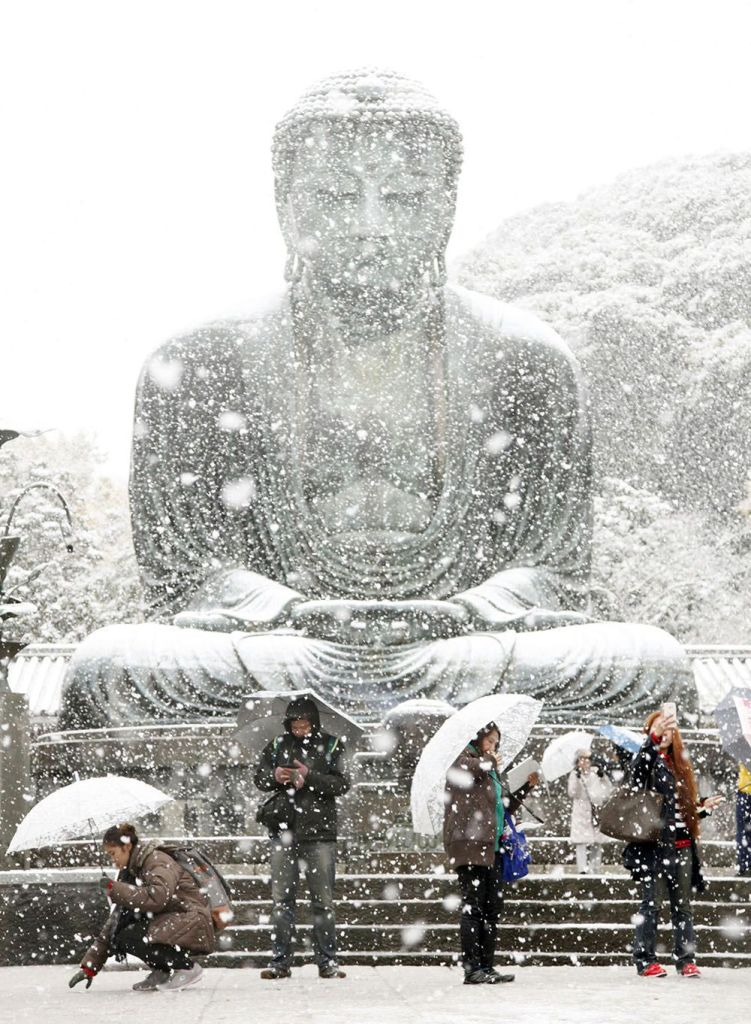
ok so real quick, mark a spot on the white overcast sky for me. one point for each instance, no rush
(135, 186)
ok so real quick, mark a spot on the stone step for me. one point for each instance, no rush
(357, 879)
(450, 958)
(515, 911)
(543, 887)
(352, 856)
(560, 850)
(571, 939)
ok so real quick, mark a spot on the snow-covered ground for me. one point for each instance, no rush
(382, 995)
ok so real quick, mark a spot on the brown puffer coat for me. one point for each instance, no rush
(469, 822)
(181, 913)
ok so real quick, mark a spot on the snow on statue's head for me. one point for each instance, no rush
(366, 166)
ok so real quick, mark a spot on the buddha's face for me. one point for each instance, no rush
(368, 208)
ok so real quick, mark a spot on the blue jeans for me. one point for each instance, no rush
(672, 879)
(319, 861)
(743, 831)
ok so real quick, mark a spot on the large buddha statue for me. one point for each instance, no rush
(379, 487)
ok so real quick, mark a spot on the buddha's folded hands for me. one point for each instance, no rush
(379, 623)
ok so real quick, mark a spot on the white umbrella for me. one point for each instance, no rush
(560, 755)
(84, 808)
(260, 719)
(513, 713)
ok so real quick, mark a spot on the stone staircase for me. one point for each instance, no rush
(549, 918)
(394, 907)
(403, 907)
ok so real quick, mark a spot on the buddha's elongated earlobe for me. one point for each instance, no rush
(438, 275)
(293, 268)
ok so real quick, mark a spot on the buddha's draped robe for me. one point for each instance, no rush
(248, 456)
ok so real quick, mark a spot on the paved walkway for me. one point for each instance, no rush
(382, 995)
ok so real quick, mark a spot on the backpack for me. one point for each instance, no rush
(207, 878)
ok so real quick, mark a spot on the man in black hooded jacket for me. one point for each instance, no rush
(306, 767)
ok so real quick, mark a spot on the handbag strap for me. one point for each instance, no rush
(649, 776)
(531, 813)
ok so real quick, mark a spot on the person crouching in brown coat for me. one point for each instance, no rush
(160, 916)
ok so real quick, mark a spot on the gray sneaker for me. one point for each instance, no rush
(181, 979)
(151, 981)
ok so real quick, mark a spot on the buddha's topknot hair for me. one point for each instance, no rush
(366, 96)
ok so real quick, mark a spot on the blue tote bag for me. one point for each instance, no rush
(515, 850)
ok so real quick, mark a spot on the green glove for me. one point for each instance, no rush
(82, 974)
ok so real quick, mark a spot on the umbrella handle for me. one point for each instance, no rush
(101, 853)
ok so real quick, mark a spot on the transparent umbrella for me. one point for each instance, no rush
(84, 808)
(733, 717)
(560, 755)
(513, 713)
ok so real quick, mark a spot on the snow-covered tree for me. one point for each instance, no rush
(649, 280)
(669, 567)
(96, 583)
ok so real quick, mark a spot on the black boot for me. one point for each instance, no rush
(477, 977)
(492, 977)
(331, 971)
(275, 973)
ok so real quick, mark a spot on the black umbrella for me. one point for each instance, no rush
(733, 717)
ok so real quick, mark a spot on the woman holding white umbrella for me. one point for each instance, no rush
(474, 826)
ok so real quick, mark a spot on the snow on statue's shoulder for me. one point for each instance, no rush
(511, 321)
(232, 332)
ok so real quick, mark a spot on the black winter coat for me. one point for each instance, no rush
(313, 807)
(649, 771)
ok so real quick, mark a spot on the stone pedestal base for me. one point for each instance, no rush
(15, 780)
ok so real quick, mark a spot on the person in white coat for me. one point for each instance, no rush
(588, 790)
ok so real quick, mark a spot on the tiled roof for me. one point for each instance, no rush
(39, 669)
(38, 672)
(718, 669)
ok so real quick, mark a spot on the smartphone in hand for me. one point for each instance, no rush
(669, 711)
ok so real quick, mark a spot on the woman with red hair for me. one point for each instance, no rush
(669, 867)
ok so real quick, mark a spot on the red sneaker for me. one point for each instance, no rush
(690, 971)
(656, 971)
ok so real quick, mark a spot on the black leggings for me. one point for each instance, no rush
(132, 939)
(482, 903)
